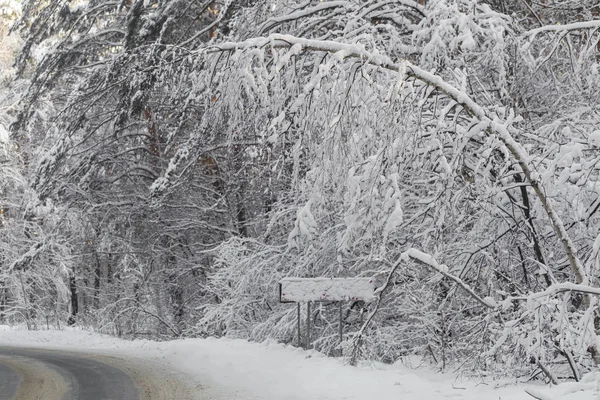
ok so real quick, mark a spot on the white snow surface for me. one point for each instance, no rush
(4, 135)
(235, 369)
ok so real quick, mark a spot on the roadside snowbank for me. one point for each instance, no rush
(271, 371)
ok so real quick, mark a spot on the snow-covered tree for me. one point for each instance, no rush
(447, 147)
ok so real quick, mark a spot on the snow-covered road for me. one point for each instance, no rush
(234, 369)
(45, 374)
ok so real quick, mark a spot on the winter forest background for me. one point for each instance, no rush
(164, 163)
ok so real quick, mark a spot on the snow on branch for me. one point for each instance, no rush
(24, 260)
(407, 3)
(595, 24)
(284, 41)
(356, 50)
(562, 287)
(429, 261)
(274, 21)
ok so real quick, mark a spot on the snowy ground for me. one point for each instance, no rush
(236, 369)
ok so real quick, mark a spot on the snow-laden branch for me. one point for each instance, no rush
(429, 261)
(284, 41)
(334, 6)
(23, 261)
(561, 287)
(595, 24)
(491, 125)
(407, 3)
(330, 5)
(488, 302)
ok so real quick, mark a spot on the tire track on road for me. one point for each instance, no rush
(36, 374)
(35, 381)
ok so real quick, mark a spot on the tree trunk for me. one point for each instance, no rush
(97, 275)
(74, 299)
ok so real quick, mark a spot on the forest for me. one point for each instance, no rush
(165, 163)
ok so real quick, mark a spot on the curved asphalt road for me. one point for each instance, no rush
(30, 374)
(9, 381)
